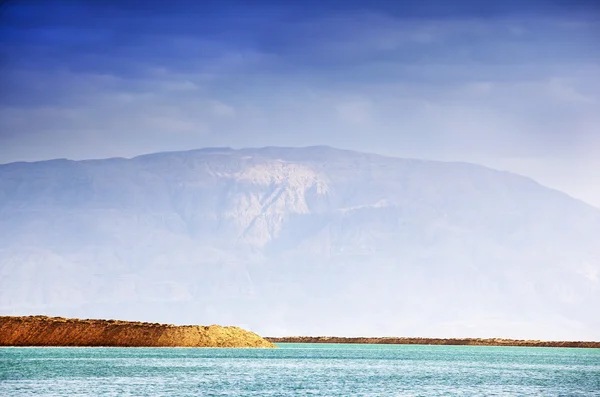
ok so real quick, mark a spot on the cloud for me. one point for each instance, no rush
(564, 91)
(221, 109)
(479, 88)
(356, 112)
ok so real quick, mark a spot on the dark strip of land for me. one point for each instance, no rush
(433, 341)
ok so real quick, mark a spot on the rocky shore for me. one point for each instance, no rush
(58, 331)
(433, 341)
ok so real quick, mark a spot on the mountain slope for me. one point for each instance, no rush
(303, 241)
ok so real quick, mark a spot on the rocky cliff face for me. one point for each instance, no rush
(58, 331)
(311, 241)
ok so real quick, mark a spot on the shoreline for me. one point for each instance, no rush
(433, 341)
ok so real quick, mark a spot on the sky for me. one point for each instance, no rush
(513, 85)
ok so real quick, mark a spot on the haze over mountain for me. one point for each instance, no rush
(309, 241)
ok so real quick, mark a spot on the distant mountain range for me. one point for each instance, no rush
(291, 241)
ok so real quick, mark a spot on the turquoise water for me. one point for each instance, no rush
(301, 369)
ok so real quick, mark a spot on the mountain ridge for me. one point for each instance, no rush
(214, 149)
(262, 237)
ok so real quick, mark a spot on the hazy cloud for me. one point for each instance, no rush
(354, 111)
(221, 109)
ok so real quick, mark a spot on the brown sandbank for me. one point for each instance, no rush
(433, 341)
(59, 331)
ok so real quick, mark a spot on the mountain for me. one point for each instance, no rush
(313, 240)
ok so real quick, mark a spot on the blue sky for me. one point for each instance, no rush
(513, 85)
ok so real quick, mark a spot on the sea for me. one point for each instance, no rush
(301, 370)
